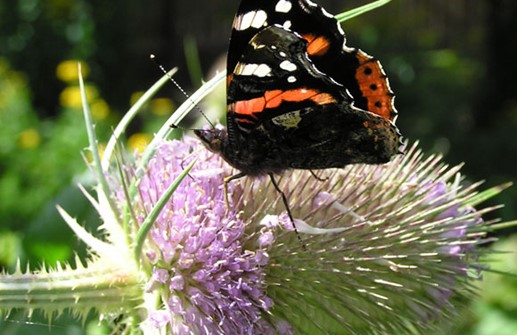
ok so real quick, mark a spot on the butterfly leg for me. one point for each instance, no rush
(286, 204)
(317, 177)
(226, 181)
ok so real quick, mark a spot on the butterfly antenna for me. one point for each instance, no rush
(178, 86)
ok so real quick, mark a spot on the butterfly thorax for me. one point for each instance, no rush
(257, 162)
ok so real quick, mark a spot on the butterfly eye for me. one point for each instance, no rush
(213, 139)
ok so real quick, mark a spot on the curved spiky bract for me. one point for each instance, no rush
(407, 244)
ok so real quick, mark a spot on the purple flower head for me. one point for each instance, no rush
(209, 280)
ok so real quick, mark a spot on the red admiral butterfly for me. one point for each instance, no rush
(298, 97)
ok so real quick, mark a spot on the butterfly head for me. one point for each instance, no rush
(214, 139)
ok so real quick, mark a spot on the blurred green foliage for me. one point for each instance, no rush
(451, 64)
(498, 303)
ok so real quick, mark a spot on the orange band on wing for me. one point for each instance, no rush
(318, 46)
(298, 95)
(248, 107)
(273, 99)
(323, 99)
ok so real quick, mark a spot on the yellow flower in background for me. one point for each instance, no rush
(158, 106)
(71, 96)
(134, 97)
(138, 141)
(162, 106)
(29, 139)
(67, 70)
(100, 109)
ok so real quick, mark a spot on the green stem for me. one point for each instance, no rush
(107, 289)
(360, 10)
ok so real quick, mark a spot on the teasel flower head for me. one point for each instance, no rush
(385, 248)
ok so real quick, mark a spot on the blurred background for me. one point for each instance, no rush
(451, 64)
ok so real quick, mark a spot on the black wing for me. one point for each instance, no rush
(360, 74)
(283, 112)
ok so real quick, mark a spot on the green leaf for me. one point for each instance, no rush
(151, 218)
(92, 138)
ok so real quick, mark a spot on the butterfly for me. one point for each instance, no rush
(298, 97)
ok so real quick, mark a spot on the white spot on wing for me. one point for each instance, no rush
(254, 19)
(260, 19)
(287, 25)
(291, 79)
(288, 66)
(283, 6)
(259, 70)
(263, 70)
